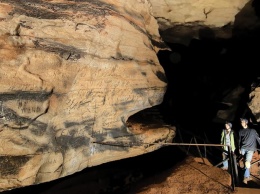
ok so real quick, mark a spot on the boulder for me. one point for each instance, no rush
(71, 74)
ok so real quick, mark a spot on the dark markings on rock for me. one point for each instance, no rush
(36, 8)
(98, 136)
(10, 165)
(121, 144)
(24, 95)
(87, 123)
(152, 102)
(94, 6)
(66, 52)
(160, 44)
(117, 132)
(143, 73)
(103, 147)
(67, 141)
(161, 76)
(142, 91)
(72, 132)
(38, 128)
(48, 10)
(88, 127)
(138, 28)
(123, 104)
(70, 124)
(119, 56)
(44, 148)
(14, 121)
(151, 62)
(23, 24)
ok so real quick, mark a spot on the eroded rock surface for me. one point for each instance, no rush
(254, 103)
(181, 21)
(203, 12)
(71, 74)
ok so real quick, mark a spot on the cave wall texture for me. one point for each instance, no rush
(73, 72)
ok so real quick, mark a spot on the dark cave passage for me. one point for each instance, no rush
(203, 73)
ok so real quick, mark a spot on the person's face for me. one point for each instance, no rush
(244, 124)
(227, 126)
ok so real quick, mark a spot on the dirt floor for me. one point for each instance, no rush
(194, 176)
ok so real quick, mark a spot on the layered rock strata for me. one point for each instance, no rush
(71, 74)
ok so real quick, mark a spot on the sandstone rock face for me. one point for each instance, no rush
(182, 20)
(254, 103)
(71, 74)
(215, 13)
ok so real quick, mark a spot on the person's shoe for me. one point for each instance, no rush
(245, 180)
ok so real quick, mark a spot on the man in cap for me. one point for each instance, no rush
(227, 139)
(248, 139)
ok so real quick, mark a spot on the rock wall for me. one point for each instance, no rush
(214, 13)
(254, 103)
(181, 21)
(71, 74)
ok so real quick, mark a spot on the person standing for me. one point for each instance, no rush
(248, 139)
(227, 139)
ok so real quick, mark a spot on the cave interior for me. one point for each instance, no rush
(200, 75)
